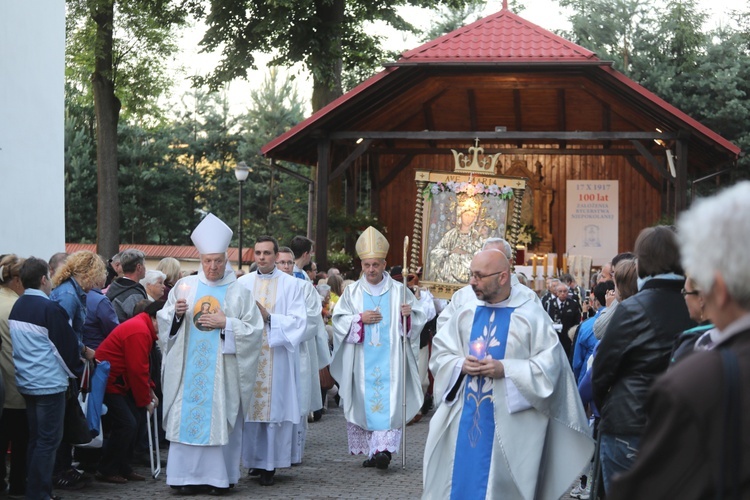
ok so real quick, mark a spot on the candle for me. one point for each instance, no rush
(533, 263)
(565, 263)
(478, 347)
(553, 261)
(544, 266)
(182, 291)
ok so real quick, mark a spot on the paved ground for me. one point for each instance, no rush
(327, 471)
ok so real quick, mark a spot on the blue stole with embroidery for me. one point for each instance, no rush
(201, 352)
(377, 346)
(476, 431)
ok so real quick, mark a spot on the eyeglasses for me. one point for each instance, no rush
(480, 276)
(692, 292)
(285, 262)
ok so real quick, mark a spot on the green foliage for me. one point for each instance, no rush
(341, 260)
(665, 48)
(327, 37)
(340, 225)
(451, 18)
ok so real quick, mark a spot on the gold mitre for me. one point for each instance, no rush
(372, 244)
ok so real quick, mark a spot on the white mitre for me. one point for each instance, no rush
(372, 244)
(211, 235)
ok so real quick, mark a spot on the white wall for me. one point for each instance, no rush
(32, 65)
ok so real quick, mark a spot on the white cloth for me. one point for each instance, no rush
(313, 353)
(538, 452)
(347, 366)
(216, 464)
(275, 408)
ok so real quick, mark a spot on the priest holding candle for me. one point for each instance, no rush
(511, 423)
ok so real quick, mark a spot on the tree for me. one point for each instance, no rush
(327, 36)
(125, 71)
(451, 18)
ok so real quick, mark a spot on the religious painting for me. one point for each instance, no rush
(459, 212)
(204, 305)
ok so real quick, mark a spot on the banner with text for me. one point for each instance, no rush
(592, 219)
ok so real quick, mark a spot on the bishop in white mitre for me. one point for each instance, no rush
(368, 353)
(210, 336)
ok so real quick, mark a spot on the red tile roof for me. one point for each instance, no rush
(500, 37)
(161, 251)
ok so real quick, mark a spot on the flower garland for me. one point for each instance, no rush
(470, 189)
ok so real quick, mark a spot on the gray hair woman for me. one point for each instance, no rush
(153, 282)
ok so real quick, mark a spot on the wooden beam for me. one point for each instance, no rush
(397, 169)
(645, 173)
(681, 166)
(653, 161)
(509, 136)
(375, 185)
(321, 212)
(358, 151)
(517, 151)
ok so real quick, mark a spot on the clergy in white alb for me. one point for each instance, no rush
(313, 355)
(274, 409)
(511, 424)
(209, 366)
(368, 354)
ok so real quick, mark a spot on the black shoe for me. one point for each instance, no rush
(266, 477)
(370, 462)
(317, 415)
(382, 459)
(427, 406)
(188, 489)
(253, 472)
(216, 491)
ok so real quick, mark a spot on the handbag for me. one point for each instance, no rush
(91, 398)
(326, 380)
(75, 427)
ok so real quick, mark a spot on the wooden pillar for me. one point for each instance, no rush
(352, 185)
(681, 162)
(321, 209)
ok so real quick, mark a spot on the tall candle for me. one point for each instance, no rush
(544, 266)
(565, 263)
(533, 264)
(553, 260)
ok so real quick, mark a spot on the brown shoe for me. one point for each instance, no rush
(133, 476)
(114, 478)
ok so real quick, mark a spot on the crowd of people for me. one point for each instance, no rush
(628, 388)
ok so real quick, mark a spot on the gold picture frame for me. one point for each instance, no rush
(455, 213)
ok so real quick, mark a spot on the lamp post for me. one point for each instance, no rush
(241, 172)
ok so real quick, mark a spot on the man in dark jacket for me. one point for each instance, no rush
(688, 450)
(125, 292)
(566, 313)
(637, 347)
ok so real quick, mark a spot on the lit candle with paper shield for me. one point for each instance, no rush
(478, 347)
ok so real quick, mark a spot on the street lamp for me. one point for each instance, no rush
(241, 172)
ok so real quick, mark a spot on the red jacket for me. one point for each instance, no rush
(127, 349)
